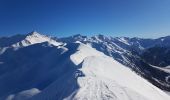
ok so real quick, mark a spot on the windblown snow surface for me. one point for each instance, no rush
(99, 77)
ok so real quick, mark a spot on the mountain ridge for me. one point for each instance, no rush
(72, 58)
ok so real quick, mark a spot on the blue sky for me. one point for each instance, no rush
(141, 18)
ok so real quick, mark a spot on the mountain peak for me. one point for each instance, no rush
(79, 36)
(33, 38)
(100, 37)
(33, 33)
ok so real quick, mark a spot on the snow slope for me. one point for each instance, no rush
(34, 66)
(99, 77)
(33, 38)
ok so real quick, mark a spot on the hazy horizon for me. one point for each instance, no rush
(54, 35)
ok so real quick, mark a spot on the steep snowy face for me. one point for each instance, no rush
(33, 38)
(99, 77)
(35, 66)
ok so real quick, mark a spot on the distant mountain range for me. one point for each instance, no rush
(40, 67)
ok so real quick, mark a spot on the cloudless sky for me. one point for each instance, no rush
(141, 18)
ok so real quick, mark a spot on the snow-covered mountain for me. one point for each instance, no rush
(25, 40)
(33, 38)
(19, 41)
(37, 67)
